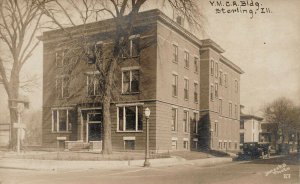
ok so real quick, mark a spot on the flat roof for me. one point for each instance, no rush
(249, 116)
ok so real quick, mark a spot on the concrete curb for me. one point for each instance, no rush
(32, 164)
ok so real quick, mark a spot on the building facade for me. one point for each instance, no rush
(165, 77)
(250, 129)
(220, 99)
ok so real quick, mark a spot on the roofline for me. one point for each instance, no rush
(231, 64)
(249, 116)
(156, 13)
(210, 43)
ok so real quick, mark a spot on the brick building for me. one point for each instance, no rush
(165, 77)
(219, 99)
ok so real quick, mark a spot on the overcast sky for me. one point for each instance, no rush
(266, 47)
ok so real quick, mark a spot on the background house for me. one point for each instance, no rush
(250, 128)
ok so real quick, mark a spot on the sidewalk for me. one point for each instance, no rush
(134, 160)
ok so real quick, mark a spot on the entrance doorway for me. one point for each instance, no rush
(94, 127)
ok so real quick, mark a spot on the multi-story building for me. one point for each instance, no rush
(250, 128)
(165, 77)
(220, 99)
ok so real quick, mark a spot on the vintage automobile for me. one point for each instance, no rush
(256, 150)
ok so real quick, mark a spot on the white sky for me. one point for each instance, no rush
(265, 47)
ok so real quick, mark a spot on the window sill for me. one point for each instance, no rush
(174, 96)
(130, 57)
(62, 132)
(92, 96)
(176, 62)
(132, 131)
(186, 68)
(186, 99)
(63, 98)
(131, 93)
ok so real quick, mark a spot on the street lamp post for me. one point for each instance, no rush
(147, 114)
(18, 105)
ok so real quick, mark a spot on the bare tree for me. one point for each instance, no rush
(124, 14)
(19, 23)
(283, 116)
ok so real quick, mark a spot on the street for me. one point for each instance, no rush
(275, 170)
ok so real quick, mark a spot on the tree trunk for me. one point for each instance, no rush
(107, 145)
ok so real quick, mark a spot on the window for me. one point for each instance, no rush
(174, 119)
(62, 86)
(212, 67)
(61, 120)
(129, 144)
(216, 129)
(216, 90)
(225, 80)
(59, 59)
(134, 45)
(217, 69)
(235, 111)
(220, 106)
(220, 78)
(212, 92)
(186, 59)
(229, 145)
(220, 145)
(195, 120)
(130, 81)
(242, 138)
(186, 145)
(186, 89)
(179, 19)
(175, 53)
(235, 145)
(196, 65)
(242, 123)
(130, 49)
(196, 92)
(130, 118)
(93, 84)
(236, 86)
(175, 85)
(174, 144)
(195, 144)
(186, 121)
(99, 49)
(230, 109)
